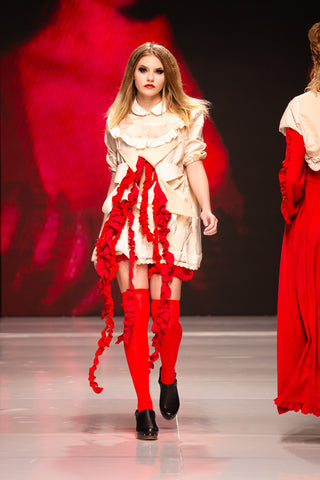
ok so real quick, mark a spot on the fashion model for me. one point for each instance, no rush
(150, 238)
(299, 282)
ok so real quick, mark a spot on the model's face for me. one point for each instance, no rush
(149, 77)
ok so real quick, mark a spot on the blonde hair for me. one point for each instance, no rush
(176, 100)
(314, 38)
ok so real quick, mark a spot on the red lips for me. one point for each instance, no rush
(149, 85)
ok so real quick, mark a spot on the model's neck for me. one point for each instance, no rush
(148, 102)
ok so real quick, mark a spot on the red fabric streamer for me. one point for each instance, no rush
(107, 264)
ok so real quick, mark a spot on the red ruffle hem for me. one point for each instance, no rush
(298, 335)
(107, 264)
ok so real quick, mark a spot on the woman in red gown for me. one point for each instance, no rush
(298, 348)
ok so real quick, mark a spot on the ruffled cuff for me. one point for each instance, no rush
(195, 151)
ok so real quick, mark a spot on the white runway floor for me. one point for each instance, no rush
(53, 427)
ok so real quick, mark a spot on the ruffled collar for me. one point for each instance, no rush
(156, 110)
(142, 142)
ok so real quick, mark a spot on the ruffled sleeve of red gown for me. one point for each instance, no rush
(292, 175)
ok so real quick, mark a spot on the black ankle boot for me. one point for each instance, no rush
(169, 399)
(146, 425)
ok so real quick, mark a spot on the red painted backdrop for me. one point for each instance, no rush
(56, 88)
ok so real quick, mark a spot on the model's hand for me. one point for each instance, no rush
(209, 221)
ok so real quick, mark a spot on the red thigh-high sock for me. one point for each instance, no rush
(137, 352)
(171, 341)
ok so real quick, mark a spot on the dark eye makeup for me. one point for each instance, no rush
(159, 71)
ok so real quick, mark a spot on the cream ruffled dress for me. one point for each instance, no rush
(164, 141)
(152, 216)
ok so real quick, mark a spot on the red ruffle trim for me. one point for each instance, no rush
(284, 407)
(107, 264)
(128, 323)
(161, 218)
(182, 273)
(283, 181)
(288, 209)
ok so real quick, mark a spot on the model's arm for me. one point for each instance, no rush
(292, 175)
(200, 186)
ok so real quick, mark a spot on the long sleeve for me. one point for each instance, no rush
(111, 149)
(195, 146)
(292, 175)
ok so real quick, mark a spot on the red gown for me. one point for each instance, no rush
(298, 341)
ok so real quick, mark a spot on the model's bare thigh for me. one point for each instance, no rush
(140, 280)
(140, 276)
